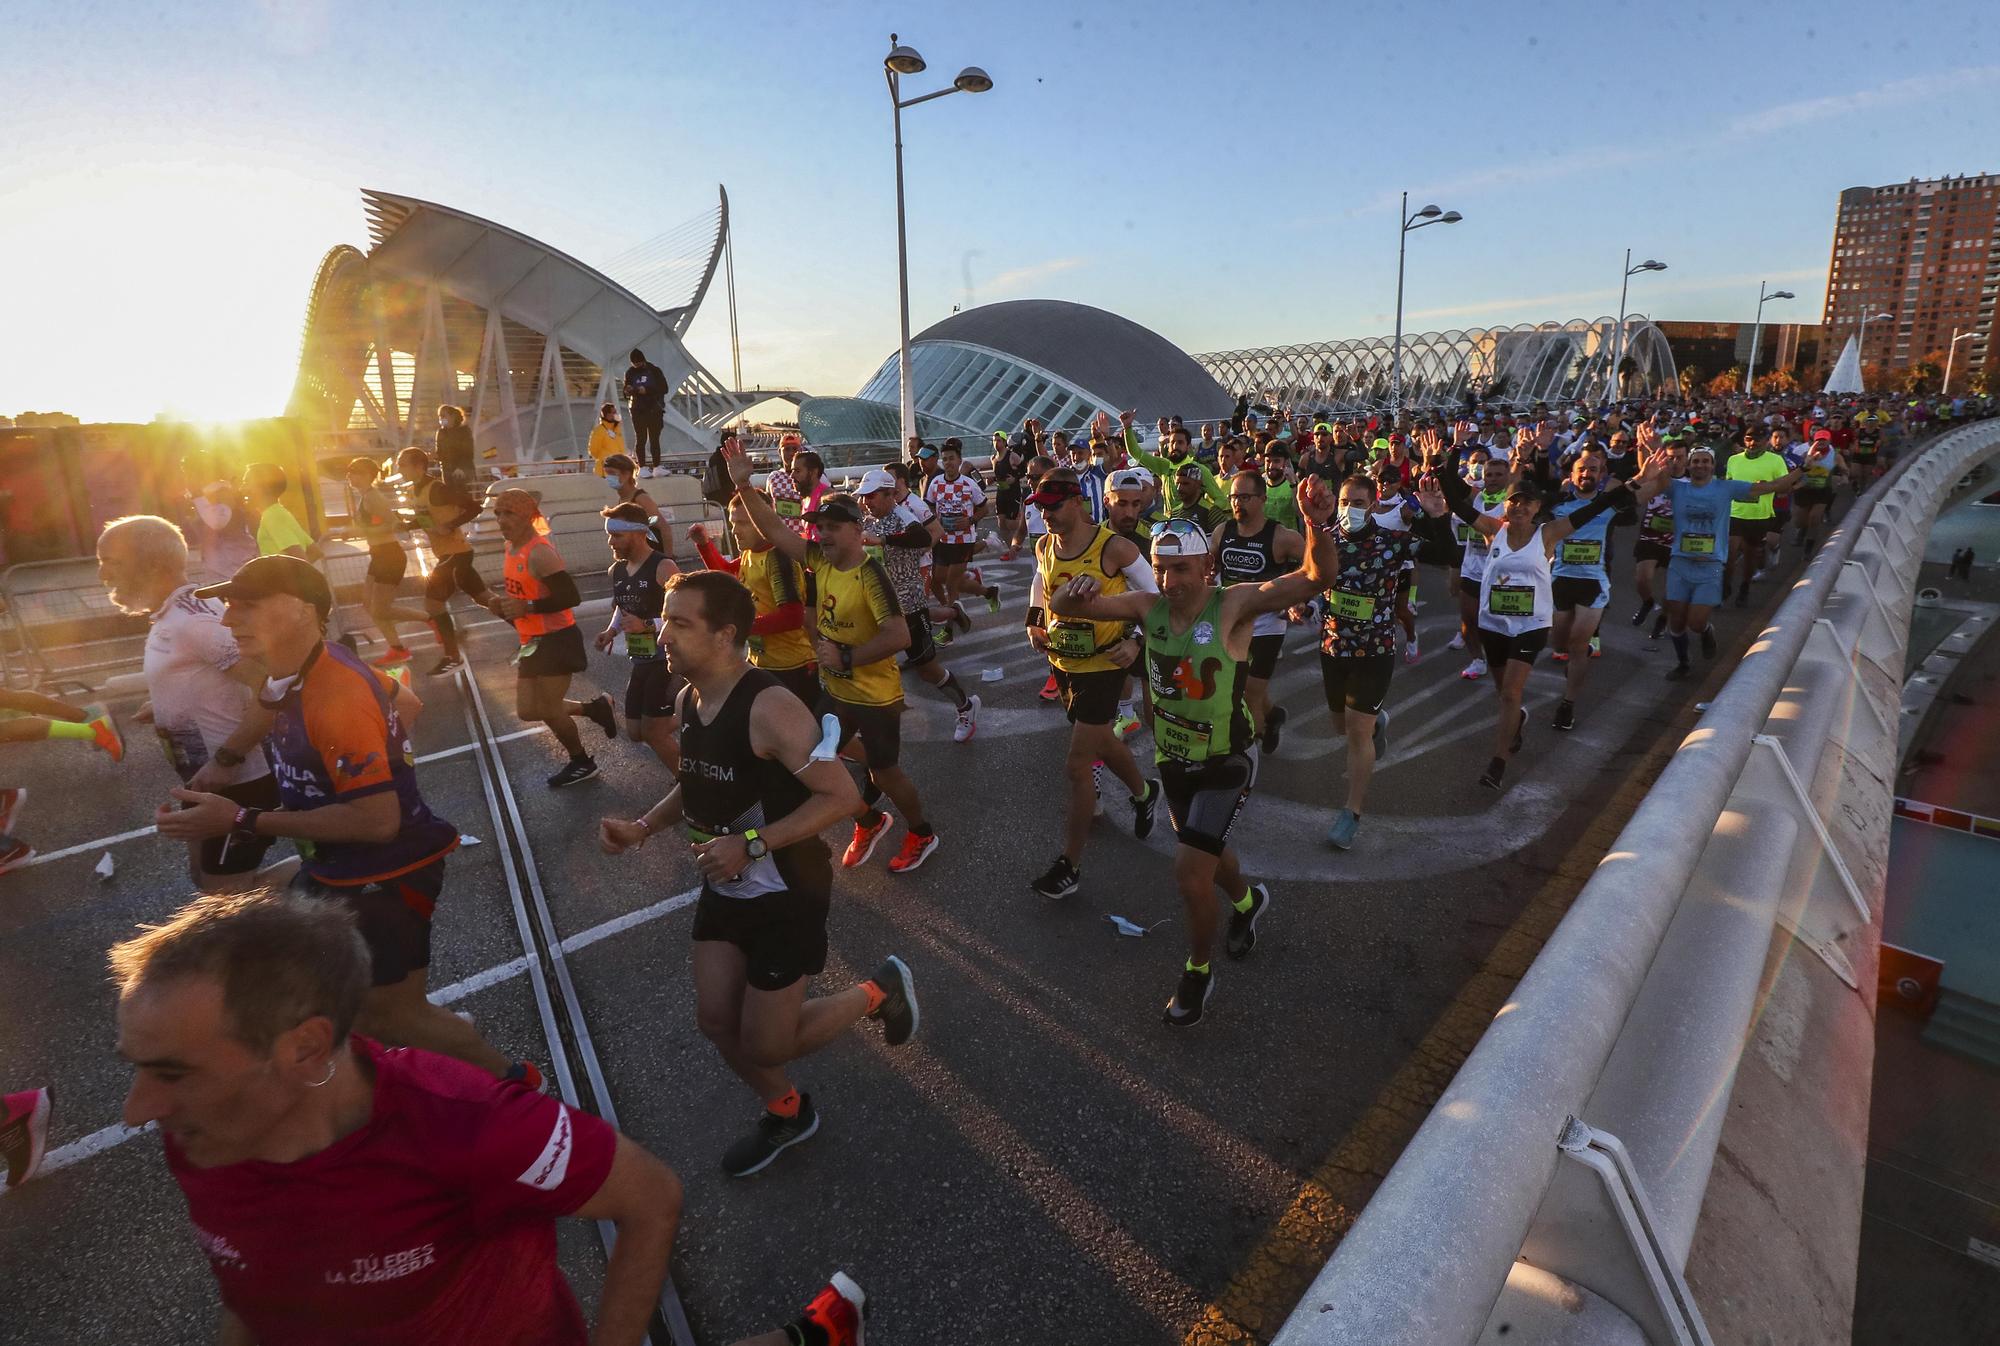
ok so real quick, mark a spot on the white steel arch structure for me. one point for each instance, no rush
(448, 307)
(1505, 366)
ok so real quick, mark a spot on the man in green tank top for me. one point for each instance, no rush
(1197, 642)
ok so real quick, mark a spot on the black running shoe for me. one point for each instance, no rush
(1190, 999)
(898, 1010)
(450, 663)
(578, 769)
(1708, 642)
(1679, 673)
(1659, 627)
(1274, 724)
(1520, 732)
(1060, 881)
(1143, 810)
(1242, 935)
(599, 712)
(1496, 771)
(1565, 714)
(773, 1136)
(1645, 610)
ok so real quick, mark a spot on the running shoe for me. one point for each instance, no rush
(1474, 671)
(772, 1137)
(1679, 672)
(14, 853)
(24, 1134)
(1340, 835)
(11, 800)
(599, 711)
(1190, 998)
(389, 658)
(1659, 627)
(1051, 690)
(1242, 935)
(915, 851)
(1126, 725)
(1457, 641)
(960, 617)
(943, 635)
(992, 595)
(1644, 610)
(1496, 770)
(1521, 730)
(1274, 728)
(1708, 642)
(1560, 656)
(1411, 653)
(1565, 714)
(527, 1073)
(1059, 882)
(450, 663)
(839, 1311)
(108, 738)
(1381, 734)
(898, 1010)
(577, 769)
(968, 722)
(1597, 647)
(1007, 555)
(1755, 575)
(867, 836)
(1143, 809)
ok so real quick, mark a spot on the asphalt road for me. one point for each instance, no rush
(1046, 1162)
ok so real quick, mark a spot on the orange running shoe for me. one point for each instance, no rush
(108, 737)
(915, 851)
(840, 1310)
(866, 838)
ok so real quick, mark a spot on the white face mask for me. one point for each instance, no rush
(1354, 518)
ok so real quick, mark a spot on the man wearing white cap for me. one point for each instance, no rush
(898, 538)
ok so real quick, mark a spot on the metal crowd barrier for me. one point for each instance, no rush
(1568, 1159)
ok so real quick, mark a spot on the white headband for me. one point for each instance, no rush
(625, 526)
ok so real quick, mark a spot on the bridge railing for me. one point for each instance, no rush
(1569, 1157)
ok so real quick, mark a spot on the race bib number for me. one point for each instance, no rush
(1698, 544)
(1073, 640)
(875, 553)
(787, 509)
(1351, 607)
(954, 520)
(1469, 536)
(1582, 551)
(1511, 600)
(641, 645)
(1180, 740)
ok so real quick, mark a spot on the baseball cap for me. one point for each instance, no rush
(1179, 537)
(271, 576)
(1322, 428)
(1822, 434)
(875, 479)
(1696, 450)
(837, 508)
(927, 452)
(1129, 479)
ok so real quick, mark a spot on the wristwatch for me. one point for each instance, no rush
(754, 845)
(229, 757)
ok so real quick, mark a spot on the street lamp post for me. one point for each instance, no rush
(1757, 332)
(1861, 342)
(1428, 215)
(1951, 353)
(901, 61)
(1618, 361)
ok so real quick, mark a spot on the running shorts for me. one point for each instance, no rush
(880, 728)
(782, 935)
(1752, 531)
(1204, 799)
(557, 654)
(1499, 647)
(1406, 582)
(1264, 652)
(1697, 583)
(1091, 698)
(802, 682)
(239, 855)
(1807, 499)
(1356, 682)
(1575, 591)
(1007, 503)
(455, 573)
(387, 563)
(923, 644)
(1644, 550)
(394, 916)
(652, 690)
(951, 553)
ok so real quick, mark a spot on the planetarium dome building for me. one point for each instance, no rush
(990, 368)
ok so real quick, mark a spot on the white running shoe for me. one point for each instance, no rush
(1457, 641)
(1411, 653)
(967, 725)
(1474, 671)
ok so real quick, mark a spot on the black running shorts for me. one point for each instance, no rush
(652, 690)
(1264, 652)
(1091, 698)
(1644, 550)
(394, 916)
(802, 682)
(1205, 799)
(387, 563)
(782, 935)
(923, 644)
(1356, 682)
(455, 574)
(880, 728)
(951, 553)
(557, 654)
(1499, 647)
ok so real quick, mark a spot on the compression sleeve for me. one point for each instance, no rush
(715, 560)
(915, 537)
(784, 617)
(1583, 514)
(562, 595)
(1139, 575)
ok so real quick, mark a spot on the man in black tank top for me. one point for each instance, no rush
(765, 785)
(638, 596)
(1251, 548)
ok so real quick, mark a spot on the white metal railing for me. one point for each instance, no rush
(1578, 1135)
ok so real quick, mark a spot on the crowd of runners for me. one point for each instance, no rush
(361, 1163)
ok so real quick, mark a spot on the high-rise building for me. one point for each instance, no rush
(1927, 253)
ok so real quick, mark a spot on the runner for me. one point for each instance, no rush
(540, 594)
(898, 538)
(660, 521)
(1819, 466)
(860, 629)
(29, 717)
(1394, 505)
(639, 574)
(794, 488)
(339, 744)
(1359, 565)
(1090, 659)
(1175, 449)
(1752, 517)
(345, 1191)
(1129, 511)
(199, 688)
(753, 828)
(279, 532)
(960, 502)
(1199, 649)
(1487, 477)
(779, 644)
(1655, 547)
(1580, 584)
(442, 510)
(1008, 465)
(1251, 549)
(375, 521)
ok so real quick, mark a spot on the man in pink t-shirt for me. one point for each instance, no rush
(348, 1192)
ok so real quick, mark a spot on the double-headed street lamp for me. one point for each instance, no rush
(901, 61)
(1757, 332)
(1428, 215)
(1618, 361)
(1951, 353)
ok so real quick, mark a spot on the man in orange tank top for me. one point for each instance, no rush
(540, 592)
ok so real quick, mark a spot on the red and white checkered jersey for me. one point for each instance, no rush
(955, 499)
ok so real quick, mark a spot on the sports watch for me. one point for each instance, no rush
(754, 845)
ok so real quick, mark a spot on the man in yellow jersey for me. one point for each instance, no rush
(859, 630)
(1751, 521)
(1090, 659)
(778, 641)
(540, 593)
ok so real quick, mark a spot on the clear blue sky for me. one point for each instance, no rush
(1223, 173)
